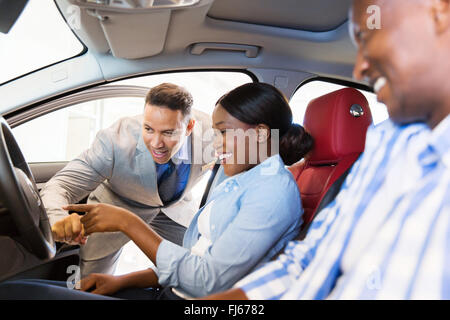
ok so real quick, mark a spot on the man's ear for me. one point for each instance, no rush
(190, 127)
(441, 15)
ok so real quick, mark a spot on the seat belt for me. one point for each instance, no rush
(209, 184)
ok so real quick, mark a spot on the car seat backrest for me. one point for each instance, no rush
(338, 122)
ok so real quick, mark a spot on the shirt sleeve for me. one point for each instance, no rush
(274, 278)
(79, 177)
(261, 221)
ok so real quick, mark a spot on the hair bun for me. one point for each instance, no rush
(295, 144)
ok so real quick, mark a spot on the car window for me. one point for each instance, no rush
(63, 134)
(206, 87)
(39, 37)
(317, 88)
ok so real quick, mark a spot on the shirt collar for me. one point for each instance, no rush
(440, 140)
(270, 166)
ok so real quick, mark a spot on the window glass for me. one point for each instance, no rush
(63, 134)
(206, 87)
(314, 89)
(39, 37)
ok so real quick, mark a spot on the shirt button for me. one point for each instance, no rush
(227, 189)
(235, 188)
(213, 227)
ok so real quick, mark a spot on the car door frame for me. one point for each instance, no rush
(57, 268)
(43, 171)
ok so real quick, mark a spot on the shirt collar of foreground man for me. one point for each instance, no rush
(387, 234)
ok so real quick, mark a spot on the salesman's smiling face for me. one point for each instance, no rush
(164, 131)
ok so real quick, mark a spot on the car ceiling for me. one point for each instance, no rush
(297, 38)
(290, 34)
(316, 16)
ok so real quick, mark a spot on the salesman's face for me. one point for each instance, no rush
(164, 131)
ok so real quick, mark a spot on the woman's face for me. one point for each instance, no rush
(235, 142)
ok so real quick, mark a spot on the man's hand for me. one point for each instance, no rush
(103, 284)
(69, 230)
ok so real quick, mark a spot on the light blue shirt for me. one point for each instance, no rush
(252, 216)
(387, 234)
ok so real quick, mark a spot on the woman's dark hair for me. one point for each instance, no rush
(262, 103)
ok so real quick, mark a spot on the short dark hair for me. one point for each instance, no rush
(262, 103)
(171, 96)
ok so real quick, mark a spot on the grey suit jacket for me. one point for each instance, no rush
(118, 169)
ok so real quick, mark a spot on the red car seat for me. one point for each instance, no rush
(338, 122)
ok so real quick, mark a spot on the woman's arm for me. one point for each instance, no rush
(140, 279)
(103, 217)
(143, 236)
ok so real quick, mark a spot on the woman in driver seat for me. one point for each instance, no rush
(246, 221)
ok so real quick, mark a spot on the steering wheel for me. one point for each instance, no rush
(19, 194)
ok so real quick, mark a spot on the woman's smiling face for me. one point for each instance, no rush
(233, 141)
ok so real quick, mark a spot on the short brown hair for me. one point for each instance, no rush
(171, 96)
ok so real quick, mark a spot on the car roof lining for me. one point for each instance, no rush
(193, 25)
(307, 15)
(283, 52)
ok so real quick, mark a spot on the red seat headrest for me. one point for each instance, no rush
(338, 122)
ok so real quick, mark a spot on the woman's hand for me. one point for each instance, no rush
(102, 217)
(103, 284)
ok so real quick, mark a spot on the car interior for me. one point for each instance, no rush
(339, 137)
(287, 43)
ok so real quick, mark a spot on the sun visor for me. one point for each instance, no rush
(133, 28)
(133, 36)
(134, 5)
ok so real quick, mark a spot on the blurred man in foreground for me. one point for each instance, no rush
(387, 234)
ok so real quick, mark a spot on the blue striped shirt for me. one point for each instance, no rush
(387, 233)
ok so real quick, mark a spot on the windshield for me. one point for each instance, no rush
(39, 37)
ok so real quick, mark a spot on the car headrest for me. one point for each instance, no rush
(338, 122)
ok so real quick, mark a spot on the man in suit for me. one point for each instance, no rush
(147, 164)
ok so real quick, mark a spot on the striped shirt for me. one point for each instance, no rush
(387, 233)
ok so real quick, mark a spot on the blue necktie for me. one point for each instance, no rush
(167, 180)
